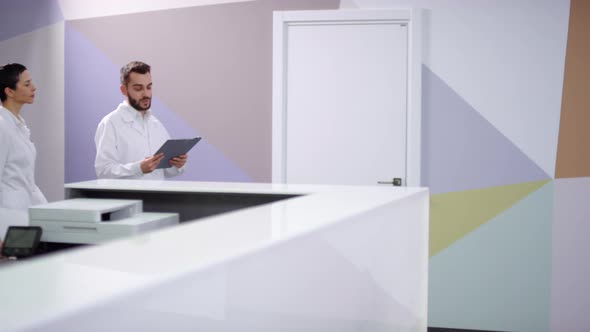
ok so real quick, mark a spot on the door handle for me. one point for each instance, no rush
(397, 182)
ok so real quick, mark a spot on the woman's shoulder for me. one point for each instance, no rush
(4, 124)
(7, 126)
(5, 129)
(5, 119)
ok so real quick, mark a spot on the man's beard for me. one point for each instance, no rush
(135, 104)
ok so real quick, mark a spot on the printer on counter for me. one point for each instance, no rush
(93, 220)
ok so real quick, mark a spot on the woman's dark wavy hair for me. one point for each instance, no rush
(9, 76)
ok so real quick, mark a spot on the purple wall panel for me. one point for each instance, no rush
(91, 92)
(461, 149)
(206, 162)
(22, 16)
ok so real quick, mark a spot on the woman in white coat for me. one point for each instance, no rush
(18, 190)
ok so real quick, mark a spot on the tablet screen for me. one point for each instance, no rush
(175, 147)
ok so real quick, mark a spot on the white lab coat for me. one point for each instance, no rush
(18, 190)
(123, 139)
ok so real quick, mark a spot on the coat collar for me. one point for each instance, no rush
(8, 116)
(20, 126)
(130, 114)
(134, 118)
(11, 118)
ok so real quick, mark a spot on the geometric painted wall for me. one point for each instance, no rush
(212, 74)
(505, 126)
(570, 291)
(505, 100)
(498, 276)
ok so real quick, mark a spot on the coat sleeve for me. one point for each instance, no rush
(106, 163)
(4, 145)
(8, 217)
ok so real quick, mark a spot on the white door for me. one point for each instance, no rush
(342, 117)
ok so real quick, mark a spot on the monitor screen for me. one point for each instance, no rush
(20, 238)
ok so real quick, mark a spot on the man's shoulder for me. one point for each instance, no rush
(112, 116)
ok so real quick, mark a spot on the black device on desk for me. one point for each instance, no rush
(21, 241)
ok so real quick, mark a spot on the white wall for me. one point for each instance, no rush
(76, 9)
(42, 52)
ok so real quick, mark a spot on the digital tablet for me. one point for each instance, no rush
(175, 147)
(21, 241)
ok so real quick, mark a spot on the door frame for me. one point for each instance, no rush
(281, 22)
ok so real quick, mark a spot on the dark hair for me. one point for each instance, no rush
(133, 67)
(9, 76)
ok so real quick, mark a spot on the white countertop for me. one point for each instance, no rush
(68, 281)
(227, 187)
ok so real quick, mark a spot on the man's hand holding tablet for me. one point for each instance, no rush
(172, 153)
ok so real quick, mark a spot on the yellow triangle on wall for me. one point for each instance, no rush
(454, 215)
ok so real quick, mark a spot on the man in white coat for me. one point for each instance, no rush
(127, 138)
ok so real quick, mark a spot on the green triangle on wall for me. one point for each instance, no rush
(454, 215)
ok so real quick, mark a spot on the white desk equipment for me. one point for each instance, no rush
(91, 220)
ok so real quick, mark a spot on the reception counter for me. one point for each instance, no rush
(246, 257)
